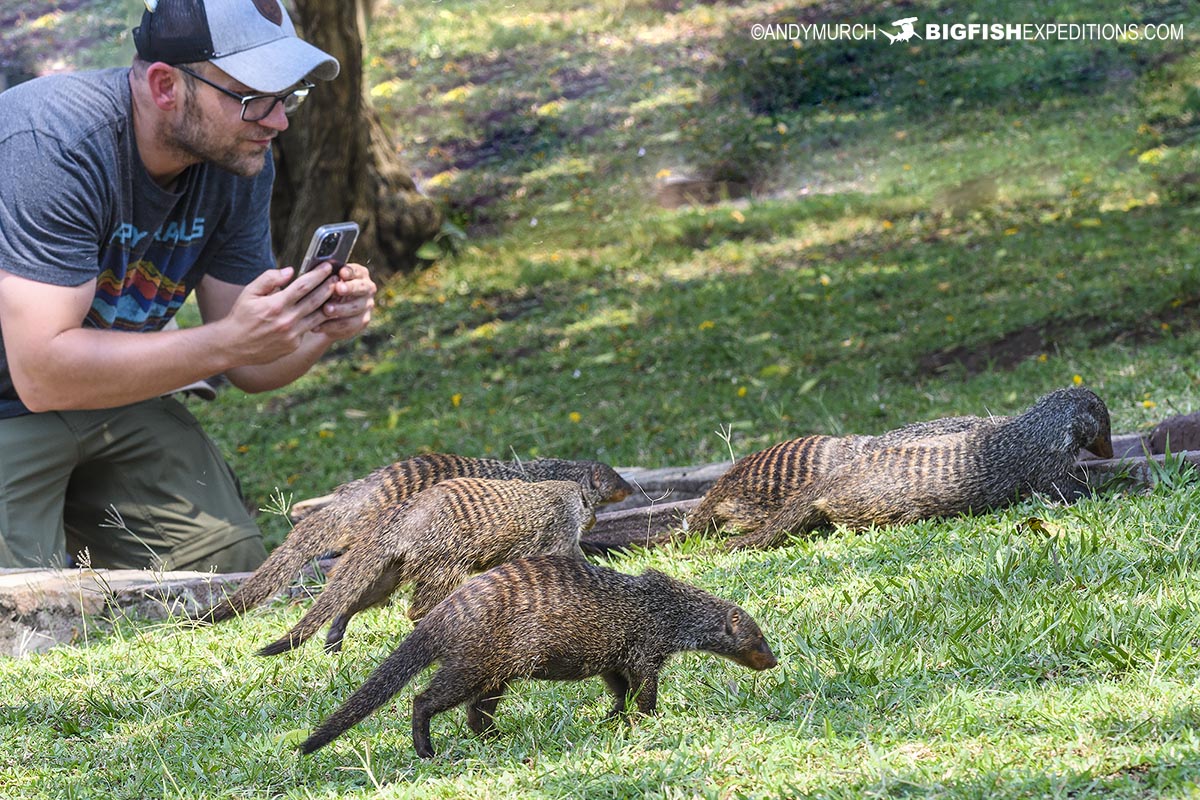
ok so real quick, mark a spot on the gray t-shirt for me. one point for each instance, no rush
(76, 205)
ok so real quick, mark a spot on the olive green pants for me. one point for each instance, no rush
(136, 487)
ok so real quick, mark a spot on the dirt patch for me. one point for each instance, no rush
(1032, 341)
(1003, 353)
(496, 308)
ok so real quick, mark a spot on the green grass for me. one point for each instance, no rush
(947, 228)
(894, 223)
(982, 657)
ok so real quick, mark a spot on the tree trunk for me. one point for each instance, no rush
(336, 162)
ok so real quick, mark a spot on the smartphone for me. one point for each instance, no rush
(332, 242)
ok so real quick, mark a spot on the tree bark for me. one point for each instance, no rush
(336, 162)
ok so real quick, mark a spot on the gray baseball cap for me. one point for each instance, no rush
(253, 41)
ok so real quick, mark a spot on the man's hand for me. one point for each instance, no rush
(270, 317)
(280, 327)
(348, 309)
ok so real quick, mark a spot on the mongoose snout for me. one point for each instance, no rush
(748, 646)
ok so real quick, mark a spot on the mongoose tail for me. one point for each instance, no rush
(311, 537)
(366, 575)
(413, 655)
(330, 528)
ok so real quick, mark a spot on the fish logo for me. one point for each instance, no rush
(906, 31)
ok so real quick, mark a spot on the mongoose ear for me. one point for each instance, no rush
(732, 621)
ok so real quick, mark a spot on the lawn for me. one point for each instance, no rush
(899, 232)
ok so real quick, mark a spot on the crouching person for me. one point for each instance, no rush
(121, 192)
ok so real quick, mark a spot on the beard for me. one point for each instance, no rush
(195, 139)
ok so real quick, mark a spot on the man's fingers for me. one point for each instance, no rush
(350, 272)
(354, 280)
(270, 280)
(343, 327)
(306, 284)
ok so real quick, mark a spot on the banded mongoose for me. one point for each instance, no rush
(439, 538)
(333, 527)
(756, 485)
(554, 618)
(986, 466)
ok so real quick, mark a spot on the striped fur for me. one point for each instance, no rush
(754, 488)
(555, 618)
(334, 527)
(437, 540)
(983, 466)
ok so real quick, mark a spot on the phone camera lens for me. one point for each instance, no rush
(328, 245)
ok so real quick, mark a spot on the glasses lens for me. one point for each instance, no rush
(293, 100)
(258, 108)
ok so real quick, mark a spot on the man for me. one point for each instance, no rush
(121, 191)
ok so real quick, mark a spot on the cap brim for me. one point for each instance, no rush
(278, 65)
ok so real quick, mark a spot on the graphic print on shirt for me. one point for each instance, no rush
(143, 293)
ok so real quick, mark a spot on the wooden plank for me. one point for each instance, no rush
(645, 526)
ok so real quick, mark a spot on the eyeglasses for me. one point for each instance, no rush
(257, 107)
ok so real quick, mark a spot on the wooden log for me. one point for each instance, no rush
(1137, 470)
(651, 486)
(637, 527)
(663, 487)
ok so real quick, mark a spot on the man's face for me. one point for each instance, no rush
(210, 127)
